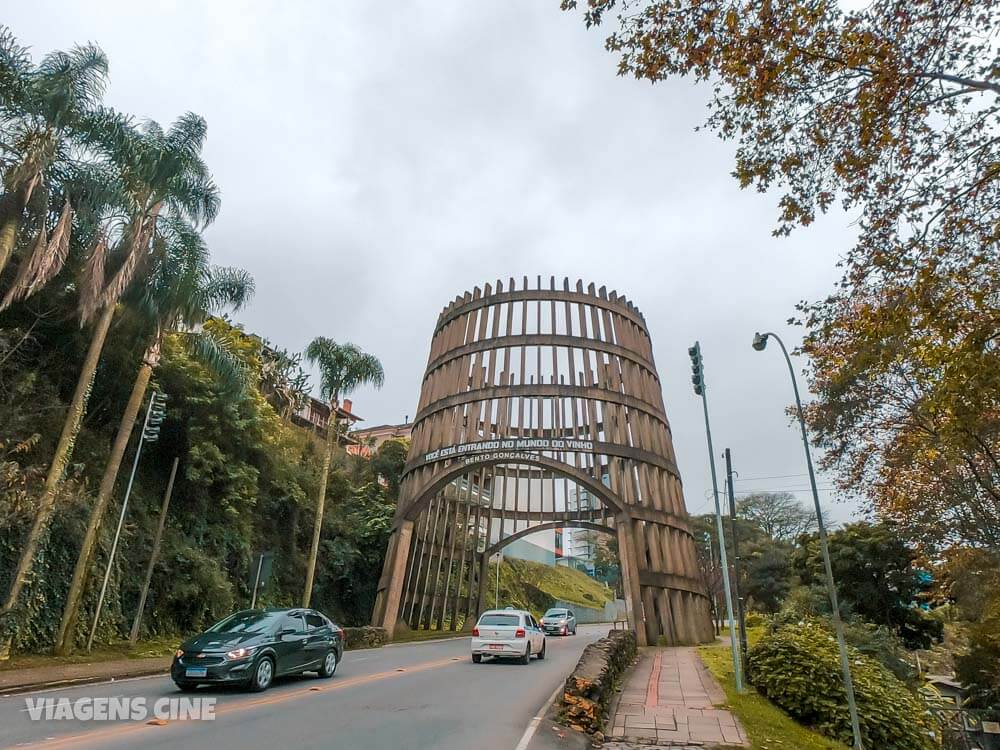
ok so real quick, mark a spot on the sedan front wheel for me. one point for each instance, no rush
(263, 675)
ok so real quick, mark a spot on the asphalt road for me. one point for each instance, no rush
(427, 695)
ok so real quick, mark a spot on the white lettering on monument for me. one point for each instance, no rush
(510, 445)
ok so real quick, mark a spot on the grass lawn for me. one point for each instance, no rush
(103, 652)
(768, 727)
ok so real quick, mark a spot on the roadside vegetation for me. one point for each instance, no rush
(108, 294)
(767, 726)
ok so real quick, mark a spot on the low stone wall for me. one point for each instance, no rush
(590, 687)
(365, 637)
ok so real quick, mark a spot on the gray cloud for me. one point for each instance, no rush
(376, 160)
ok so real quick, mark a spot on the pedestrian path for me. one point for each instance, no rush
(61, 673)
(670, 699)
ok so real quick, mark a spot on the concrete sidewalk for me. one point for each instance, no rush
(59, 675)
(670, 699)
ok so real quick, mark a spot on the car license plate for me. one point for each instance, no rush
(196, 672)
(496, 646)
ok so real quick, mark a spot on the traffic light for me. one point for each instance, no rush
(697, 371)
(157, 412)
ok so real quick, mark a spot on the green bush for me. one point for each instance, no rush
(797, 667)
(755, 619)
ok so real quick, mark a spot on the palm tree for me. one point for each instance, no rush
(161, 174)
(342, 369)
(45, 112)
(182, 292)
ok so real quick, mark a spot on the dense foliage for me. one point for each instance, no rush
(891, 108)
(797, 667)
(876, 577)
(105, 281)
(246, 484)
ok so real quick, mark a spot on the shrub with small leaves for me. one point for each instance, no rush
(798, 668)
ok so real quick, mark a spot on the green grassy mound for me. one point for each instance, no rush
(536, 587)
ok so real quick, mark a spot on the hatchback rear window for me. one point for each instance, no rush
(494, 620)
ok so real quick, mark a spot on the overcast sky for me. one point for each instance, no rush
(377, 159)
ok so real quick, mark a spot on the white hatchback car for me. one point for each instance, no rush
(507, 634)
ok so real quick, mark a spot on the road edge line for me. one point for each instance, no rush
(533, 724)
(52, 686)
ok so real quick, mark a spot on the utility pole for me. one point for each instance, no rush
(150, 432)
(154, 556)
(698, 380)
(740, 613)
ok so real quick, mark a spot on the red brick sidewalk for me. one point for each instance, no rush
(56, 675)
(670, 699)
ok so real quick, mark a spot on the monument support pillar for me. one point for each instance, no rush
(393, 578)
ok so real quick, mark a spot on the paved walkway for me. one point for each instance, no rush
(669, 699)
(55, 675)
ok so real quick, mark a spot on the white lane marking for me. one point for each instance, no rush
(530, 731)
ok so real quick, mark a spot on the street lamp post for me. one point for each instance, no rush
(759, 342)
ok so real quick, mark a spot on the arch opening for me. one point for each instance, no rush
(526, 506)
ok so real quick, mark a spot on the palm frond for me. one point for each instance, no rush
(108, 130)
(225, 287)
(55, 251)
(343, 367)
(15, 67)
(187, 135)
(26, 270)
(45, 260)
(68, 83)
(196, 197)
(218, 353)
(92, 278)
(136, 251)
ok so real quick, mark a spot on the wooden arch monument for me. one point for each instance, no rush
(540, 408)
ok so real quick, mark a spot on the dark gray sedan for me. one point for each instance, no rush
(252, 647)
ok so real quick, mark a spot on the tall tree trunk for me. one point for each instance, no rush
(331, 441)
(154, 555)
(64, 449)
(67, 627)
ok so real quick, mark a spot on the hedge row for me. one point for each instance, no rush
(797, 666)
(364, 637)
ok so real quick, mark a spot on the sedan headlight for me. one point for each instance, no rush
(240, 653)
(179, 653)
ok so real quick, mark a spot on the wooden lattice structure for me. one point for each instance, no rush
(541, 408)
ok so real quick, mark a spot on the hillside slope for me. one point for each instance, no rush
(535, 587)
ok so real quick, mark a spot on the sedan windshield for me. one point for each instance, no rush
(556, 613)
(492, 620)
(246, 622)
